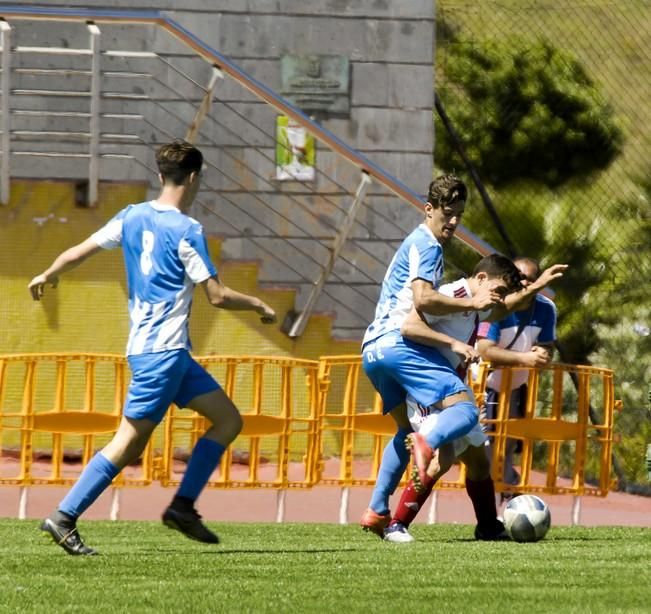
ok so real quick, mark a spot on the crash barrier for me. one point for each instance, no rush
(567, 430)
(47, 417)
(306, 423)
(566, 427)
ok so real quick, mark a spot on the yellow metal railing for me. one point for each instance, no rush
(306, 423)
(577, 411)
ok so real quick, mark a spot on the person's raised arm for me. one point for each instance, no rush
(66, 261)
(223, 297)
(515, 300)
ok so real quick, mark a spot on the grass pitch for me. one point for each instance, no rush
(144, 567)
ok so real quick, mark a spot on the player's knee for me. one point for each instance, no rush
(469, 410)
(229, 427)
(441, 462)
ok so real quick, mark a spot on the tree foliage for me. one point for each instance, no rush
(629, 343)
(525, 111)
(536, 126)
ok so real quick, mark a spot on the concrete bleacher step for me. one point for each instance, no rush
(87, 312)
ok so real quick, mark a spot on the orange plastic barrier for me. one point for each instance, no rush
(306, 422)
(59, 407)
(353, 429)
(277, 446)
(569, 408)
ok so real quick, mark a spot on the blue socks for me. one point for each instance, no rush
(394, 462)
(454, 422)
(204, 460)
(93, 481)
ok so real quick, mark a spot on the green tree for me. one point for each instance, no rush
(630, 342)
(525, 110)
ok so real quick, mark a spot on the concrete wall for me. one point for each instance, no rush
(390, 48)
(389, 44)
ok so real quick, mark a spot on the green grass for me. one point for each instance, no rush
(144, 567)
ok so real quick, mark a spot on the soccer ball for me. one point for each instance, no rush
(527, 518)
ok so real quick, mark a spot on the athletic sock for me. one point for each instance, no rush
(62, 519)
(482, 495)
(411, 502)
(394, 462)
(204, 460)
(453, 422)
(93, 481)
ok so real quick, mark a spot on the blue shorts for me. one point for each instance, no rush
(397, 366)
(163, 378)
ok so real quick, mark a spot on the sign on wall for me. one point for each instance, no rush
(317, 84)
(295, 151)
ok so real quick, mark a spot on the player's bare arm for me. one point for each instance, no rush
(518, 300)
(66, 261)
(501, 357)
(223, 297)
(429, 300)
(416, 329)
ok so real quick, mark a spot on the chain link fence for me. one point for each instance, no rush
(513, 75)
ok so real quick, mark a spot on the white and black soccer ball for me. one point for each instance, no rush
(527, 518)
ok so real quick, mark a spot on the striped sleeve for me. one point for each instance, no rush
(489, 330)
(110, 235)
(193, 252)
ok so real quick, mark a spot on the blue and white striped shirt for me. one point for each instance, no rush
(420, 256)
(165, 255)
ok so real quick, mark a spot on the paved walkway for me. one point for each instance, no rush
(320, 504)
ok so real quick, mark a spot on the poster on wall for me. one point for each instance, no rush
(295, 151)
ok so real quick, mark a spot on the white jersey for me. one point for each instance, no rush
(420, 256)
(461, 325)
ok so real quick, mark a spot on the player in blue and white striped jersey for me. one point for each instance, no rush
(161, 280)
(166, 256)
(454, 335)
(398, 366)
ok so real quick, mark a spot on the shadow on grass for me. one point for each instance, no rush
(256, 551)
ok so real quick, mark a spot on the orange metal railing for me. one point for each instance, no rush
(306, 423)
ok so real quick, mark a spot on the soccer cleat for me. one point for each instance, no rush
(421, 455)
(189, 523)
(495, 534)
(374, 522)
(397, 533)
(66, 536)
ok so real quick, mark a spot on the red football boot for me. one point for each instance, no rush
(421, 455)
(374, 522)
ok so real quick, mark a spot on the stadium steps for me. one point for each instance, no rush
(87, 311)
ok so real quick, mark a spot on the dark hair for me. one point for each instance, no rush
(176, 160)
(502, 267)
(446, 190)
(532, 261)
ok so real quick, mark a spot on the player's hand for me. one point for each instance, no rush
(466, 352)
(267, 314)
(487, 296)
(549, 275)
(534, 358)
(37, 285)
